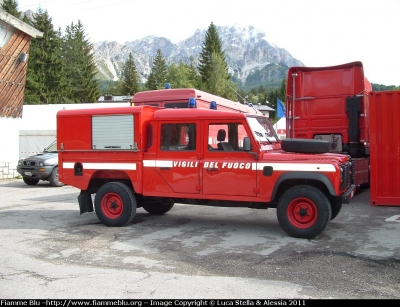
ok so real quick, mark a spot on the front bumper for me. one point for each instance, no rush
(35, 172)
(349, 194)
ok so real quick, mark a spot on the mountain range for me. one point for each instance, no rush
(251, 59)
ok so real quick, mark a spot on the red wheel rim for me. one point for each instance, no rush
(112, 205)
(302, 212)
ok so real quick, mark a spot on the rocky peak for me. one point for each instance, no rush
(246, 51)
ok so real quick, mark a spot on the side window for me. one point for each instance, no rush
(178, 137)
(226, 137)
(176, 105)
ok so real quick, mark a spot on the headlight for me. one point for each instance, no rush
(41, 163)
(20, 162)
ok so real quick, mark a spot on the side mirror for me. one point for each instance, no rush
(247, 147)
(246, 144)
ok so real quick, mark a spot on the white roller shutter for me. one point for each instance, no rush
(113, 132)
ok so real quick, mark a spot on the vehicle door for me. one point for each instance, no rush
(177, 162)
(226, 168)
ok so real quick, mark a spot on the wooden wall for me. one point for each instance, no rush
(13, 74)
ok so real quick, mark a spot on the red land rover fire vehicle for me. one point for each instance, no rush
(153, 157)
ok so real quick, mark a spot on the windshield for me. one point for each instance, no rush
(52, 147)
(262, 129)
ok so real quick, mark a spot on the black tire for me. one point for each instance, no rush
(53, 179)
(115, 204)
(336, 206)
(305, 145)
(30, 181)
(303, 211)
(158, 208)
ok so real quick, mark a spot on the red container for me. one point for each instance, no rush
(385, 148)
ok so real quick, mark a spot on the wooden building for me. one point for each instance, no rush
(15, 39)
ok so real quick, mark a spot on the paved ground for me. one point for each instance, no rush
(48, 250)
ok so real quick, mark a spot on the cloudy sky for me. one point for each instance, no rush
(316, 32)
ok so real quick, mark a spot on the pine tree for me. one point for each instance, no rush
(194, 75)
(217, 83)
(11, 7)
(158, 74)
(81, 69)
(130, 77)
(212, 47)
(45, 81)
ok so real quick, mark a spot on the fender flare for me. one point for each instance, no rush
(304, 175)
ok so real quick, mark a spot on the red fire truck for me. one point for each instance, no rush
(135, 157)
(332, 103)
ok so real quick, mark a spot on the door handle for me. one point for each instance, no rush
(214, 169)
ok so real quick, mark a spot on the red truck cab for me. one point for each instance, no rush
(332, 103)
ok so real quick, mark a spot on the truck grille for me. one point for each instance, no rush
(347, 175)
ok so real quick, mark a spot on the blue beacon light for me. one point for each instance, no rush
(192, 102)
(213, 105)
(167, 85)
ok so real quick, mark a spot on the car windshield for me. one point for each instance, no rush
(262, 129)
(52, 147)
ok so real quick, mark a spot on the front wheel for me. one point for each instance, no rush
(115, 204)
(303, 211)
(54, 182)
(30, 181)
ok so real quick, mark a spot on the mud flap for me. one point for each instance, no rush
(85, 202)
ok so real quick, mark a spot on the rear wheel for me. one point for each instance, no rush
(54, 182)
(303, 211)
(115, 204)
(158, 208)
(30, 181)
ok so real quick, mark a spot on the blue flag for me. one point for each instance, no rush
(281, 109)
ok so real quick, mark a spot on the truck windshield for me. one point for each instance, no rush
(52, 147)
(262, 129)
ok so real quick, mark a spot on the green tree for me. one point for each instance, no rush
(130, 77)
(11, 7)
(81, 69)
(158, 75)
(46, 80)
(181, 76)
(210, 55)
(282, 90)
(217, 82)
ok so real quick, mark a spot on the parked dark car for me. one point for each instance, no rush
(43, 166)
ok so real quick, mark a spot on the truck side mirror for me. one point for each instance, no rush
(246, 144)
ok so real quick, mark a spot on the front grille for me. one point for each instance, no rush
(29, 163)
(347, 174)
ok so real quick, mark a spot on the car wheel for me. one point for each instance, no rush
(30, 181)
(303, 211)
(115, 204)
(54, 182)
